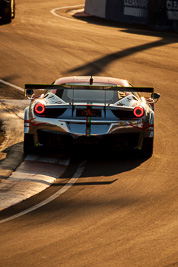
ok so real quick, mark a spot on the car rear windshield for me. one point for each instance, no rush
(97, 96)
(83, 94)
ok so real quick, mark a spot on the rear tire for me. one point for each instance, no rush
(28, 145)
(147, 148)
(6, 17)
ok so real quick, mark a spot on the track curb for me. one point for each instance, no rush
(22, 177)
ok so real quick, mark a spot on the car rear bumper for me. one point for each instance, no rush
(122, 140)
(118, 137)
(119, 133)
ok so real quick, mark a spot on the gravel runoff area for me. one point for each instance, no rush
(1, 133)
(11, 149)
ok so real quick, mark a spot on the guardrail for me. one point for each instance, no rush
(157, 14)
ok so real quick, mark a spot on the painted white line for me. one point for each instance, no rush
(72, 181)
(12, 85)
(53, 11)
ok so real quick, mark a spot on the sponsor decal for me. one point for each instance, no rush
(172, 9)
(172, 5)
(136, 8)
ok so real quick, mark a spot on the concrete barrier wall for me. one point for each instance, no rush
(157, 14)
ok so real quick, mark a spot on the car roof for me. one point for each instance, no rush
(85, 80)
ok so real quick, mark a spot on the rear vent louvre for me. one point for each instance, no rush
(53, 112)
(123, 114)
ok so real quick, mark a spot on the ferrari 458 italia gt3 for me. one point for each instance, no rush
(99, 111)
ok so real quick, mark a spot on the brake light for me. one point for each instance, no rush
(39, 108)
(138, 112)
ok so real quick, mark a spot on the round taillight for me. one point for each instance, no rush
(138, 112)
(39, 108)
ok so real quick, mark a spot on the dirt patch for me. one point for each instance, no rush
(6, 92)
(2, 135)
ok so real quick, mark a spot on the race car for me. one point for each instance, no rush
(7, 10)
(99, 111)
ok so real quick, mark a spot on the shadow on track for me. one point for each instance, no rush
(113, 162)
(96, 66)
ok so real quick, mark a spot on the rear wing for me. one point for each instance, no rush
(88, 87)
(30, 87)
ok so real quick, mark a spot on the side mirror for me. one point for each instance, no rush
(155, 96)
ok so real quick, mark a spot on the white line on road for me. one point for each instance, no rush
(53, 11)
(12, 85)
(72, 181)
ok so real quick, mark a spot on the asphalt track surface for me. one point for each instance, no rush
(123, 210)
